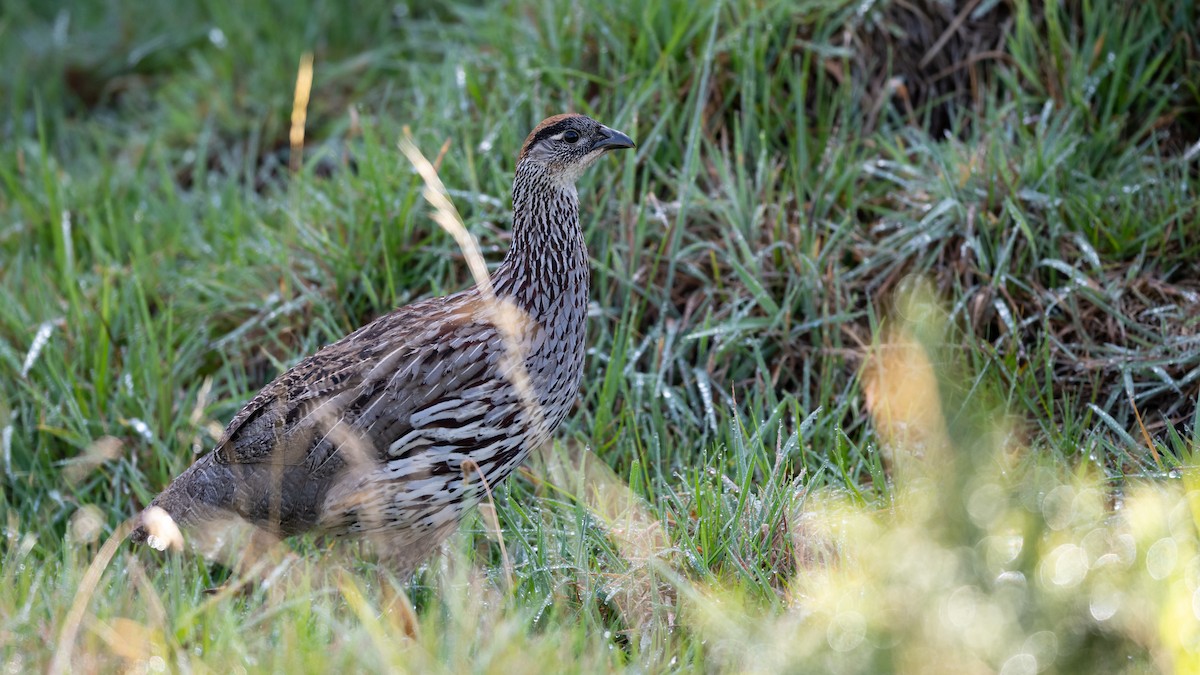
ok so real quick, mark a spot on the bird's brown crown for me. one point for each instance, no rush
(548, 127)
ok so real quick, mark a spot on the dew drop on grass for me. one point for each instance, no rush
(1104, 606)
(846, 631)
(460, 79)
(1043, 646)
(1003, 549)
(68, 247)
(1010, 578)
(1020, 664)
(1161, 558)
(960, 607)
(985, 504)
(1068, 565)
(142, 429)
(35, 348)
(1058, 507)
(710, 413)
(6, 447)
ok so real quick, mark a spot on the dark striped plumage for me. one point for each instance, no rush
(370, 434)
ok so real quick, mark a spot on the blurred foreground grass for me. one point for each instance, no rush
(895, 338)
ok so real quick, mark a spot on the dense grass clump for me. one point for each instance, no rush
(895, 342)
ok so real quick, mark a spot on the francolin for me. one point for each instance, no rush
(393, 431)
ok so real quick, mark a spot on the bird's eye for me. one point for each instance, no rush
(571, 136)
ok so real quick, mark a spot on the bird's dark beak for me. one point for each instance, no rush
(611, 139)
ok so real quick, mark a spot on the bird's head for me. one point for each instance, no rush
(562, 146)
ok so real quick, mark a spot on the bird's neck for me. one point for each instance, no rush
(548, 257)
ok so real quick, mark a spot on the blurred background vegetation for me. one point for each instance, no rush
(894, 347)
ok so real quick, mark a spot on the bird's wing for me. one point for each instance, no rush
(372, 393)
(265, 430)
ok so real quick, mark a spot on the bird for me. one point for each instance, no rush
(396, 430)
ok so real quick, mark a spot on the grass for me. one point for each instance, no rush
(884, 374)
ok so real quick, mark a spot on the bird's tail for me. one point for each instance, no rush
(203, 493)
(280, 499)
